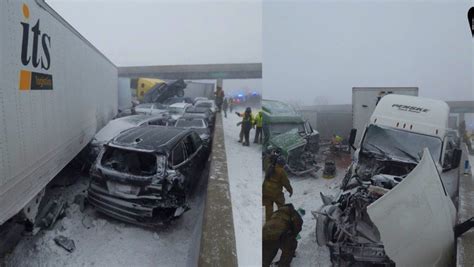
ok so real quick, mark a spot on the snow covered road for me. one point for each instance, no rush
(104, 241)
(245, 177)
(306, 195)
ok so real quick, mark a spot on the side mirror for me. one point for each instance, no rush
(460, 229)
(456, 160)
(352, 137)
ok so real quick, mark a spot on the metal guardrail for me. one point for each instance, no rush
(218, 247)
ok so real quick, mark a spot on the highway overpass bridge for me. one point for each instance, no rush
(195, 72)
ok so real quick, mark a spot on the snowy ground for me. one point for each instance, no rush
(245, 177)
(103, 241)
(306, 195)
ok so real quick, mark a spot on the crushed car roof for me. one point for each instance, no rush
(151, 138)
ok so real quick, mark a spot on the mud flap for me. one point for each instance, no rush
(415, 219)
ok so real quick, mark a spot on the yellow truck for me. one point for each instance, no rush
(142, 85)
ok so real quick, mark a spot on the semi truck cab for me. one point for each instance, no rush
(402, 126)
(404, 214)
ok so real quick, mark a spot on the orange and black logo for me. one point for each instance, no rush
(39, 57)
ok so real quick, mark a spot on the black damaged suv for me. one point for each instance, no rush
(144, 175)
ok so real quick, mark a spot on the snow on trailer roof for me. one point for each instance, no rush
(150, 138)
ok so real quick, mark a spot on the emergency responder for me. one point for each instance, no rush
(224, 107)
(270, 158)
(280, 232)
(246, 125)
(272, 189)
(258, 128)
(219, 98)
(336, 143)
(336, 140)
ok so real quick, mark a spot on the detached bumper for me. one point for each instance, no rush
(142, 210)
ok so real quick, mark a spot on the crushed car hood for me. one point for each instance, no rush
(288, 141)
(416, 218)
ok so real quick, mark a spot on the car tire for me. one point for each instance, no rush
(180, 93)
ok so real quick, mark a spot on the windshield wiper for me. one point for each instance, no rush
(380, 150)
(416, 159)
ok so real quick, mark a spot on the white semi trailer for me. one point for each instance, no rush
(56, 91)
(365, 99)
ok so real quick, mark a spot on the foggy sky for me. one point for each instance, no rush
(158, 32)
(316, 52)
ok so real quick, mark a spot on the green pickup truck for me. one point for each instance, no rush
(285, 129)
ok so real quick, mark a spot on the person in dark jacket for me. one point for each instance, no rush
(246, 125)
(280, 232)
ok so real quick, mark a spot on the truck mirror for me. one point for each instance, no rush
(352, 137)
(457, 153)
(463, 227)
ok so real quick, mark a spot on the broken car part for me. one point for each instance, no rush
(66, 243)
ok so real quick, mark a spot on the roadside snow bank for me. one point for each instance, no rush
(245, 177)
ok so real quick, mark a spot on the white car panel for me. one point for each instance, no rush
(415, 219)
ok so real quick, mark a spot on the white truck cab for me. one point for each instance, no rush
(397, 171)
(403, 125)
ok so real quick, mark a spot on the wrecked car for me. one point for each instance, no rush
(144, 175)
(177, 110)
(160, 92)
(198, 125)
(286, 130)
(393, 208)
(200, 112)
(115, 127)
(210, 104)
(177, 99)
(150, 109)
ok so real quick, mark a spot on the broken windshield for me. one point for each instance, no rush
(131, 162)
(279, 128)
(390, 143)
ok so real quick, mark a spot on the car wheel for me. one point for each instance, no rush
(180, 93)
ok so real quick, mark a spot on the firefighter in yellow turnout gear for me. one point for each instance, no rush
(272, 189)
(280, 232)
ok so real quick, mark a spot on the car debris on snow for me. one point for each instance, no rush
(53, 209)
(66, 243)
